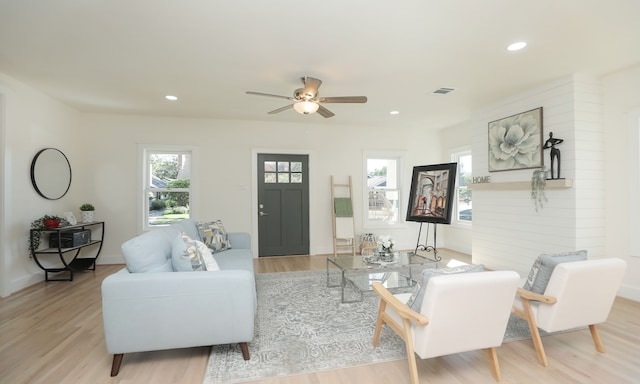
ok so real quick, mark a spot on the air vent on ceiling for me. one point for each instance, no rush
(443, 91)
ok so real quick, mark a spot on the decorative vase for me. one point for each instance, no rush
(51, 223)
(386, 256)
(87, 216)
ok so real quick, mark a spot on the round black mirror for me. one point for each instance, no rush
(51, 173)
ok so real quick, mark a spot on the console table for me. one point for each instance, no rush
(66, 259)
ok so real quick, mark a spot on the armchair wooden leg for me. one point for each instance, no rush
(495, 365)
(244, 347)
(596, 338)
(115, 366)
(379, 323)
(537, 344)
(411, 355)
(535, 334)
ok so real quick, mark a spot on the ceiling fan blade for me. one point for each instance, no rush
(324, 112)
(344, 99)
(311, 86)
(268, 95)
(280, 109)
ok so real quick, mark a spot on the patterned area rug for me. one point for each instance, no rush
(302, 327)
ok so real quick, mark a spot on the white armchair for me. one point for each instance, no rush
(579, 293)
(459, 313)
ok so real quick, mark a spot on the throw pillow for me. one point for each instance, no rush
(415, 301)
(542, 269)
(209, 261)
(191, 255)
(214, 235)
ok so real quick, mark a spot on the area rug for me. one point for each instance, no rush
(303, 327)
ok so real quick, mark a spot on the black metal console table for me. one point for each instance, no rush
(65, 259)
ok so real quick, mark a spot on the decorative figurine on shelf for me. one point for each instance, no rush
(554, 154)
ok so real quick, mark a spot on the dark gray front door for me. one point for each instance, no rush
(283, 204)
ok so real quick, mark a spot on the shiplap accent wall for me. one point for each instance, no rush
(508, 233)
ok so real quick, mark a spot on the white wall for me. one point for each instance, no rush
(225, 153)
(33, 121)
(507, 231)
(622, 100)
(455, 138)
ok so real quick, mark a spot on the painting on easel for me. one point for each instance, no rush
(431, 195)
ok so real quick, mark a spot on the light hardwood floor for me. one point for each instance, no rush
(52, 333)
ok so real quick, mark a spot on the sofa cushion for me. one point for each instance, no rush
(235, 259)
(149, 252)
(415, 301)
(542, 269)
(214, 235)
(188, 226)
(188, 255)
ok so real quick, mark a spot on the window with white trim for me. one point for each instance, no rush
(167, 194)
(383, 193)
(463, 201)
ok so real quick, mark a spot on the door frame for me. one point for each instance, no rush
(254, 194)
(4, 202)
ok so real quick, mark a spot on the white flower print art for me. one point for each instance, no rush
(515, 142)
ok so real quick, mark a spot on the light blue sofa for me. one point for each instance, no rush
(147, 306)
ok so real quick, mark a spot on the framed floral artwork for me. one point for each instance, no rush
(515, 142)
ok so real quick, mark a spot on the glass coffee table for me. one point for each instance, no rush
(356, 275)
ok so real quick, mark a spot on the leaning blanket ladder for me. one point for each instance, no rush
(342, 212)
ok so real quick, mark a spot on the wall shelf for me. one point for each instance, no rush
(515, 185)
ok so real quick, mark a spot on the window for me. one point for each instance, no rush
(167, 190)
(463, 205)
(382, 178)
(283, 172)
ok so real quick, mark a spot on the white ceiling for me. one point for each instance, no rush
(119, 56)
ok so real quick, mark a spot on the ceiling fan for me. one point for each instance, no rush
(306, 100)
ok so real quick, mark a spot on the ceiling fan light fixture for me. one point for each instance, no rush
(306, 107)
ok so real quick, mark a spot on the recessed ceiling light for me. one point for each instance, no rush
(394, 112)
(171, 97)
(517, 46)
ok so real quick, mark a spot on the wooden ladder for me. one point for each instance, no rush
(343, 224)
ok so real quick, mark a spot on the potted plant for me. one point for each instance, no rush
(87, 211)
(42, 224)
(538, 183)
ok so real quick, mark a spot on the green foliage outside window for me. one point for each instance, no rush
(181, 198)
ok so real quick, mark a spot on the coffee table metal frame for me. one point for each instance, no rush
(356, 264)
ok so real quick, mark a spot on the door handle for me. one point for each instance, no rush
(263, 213)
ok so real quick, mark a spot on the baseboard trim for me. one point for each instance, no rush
(26, 282)
(629, 292)
(104, 260)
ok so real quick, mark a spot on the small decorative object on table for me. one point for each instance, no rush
(367, 243)
(385, 249)
(370, 257)
(70, 218)
(87, 211)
